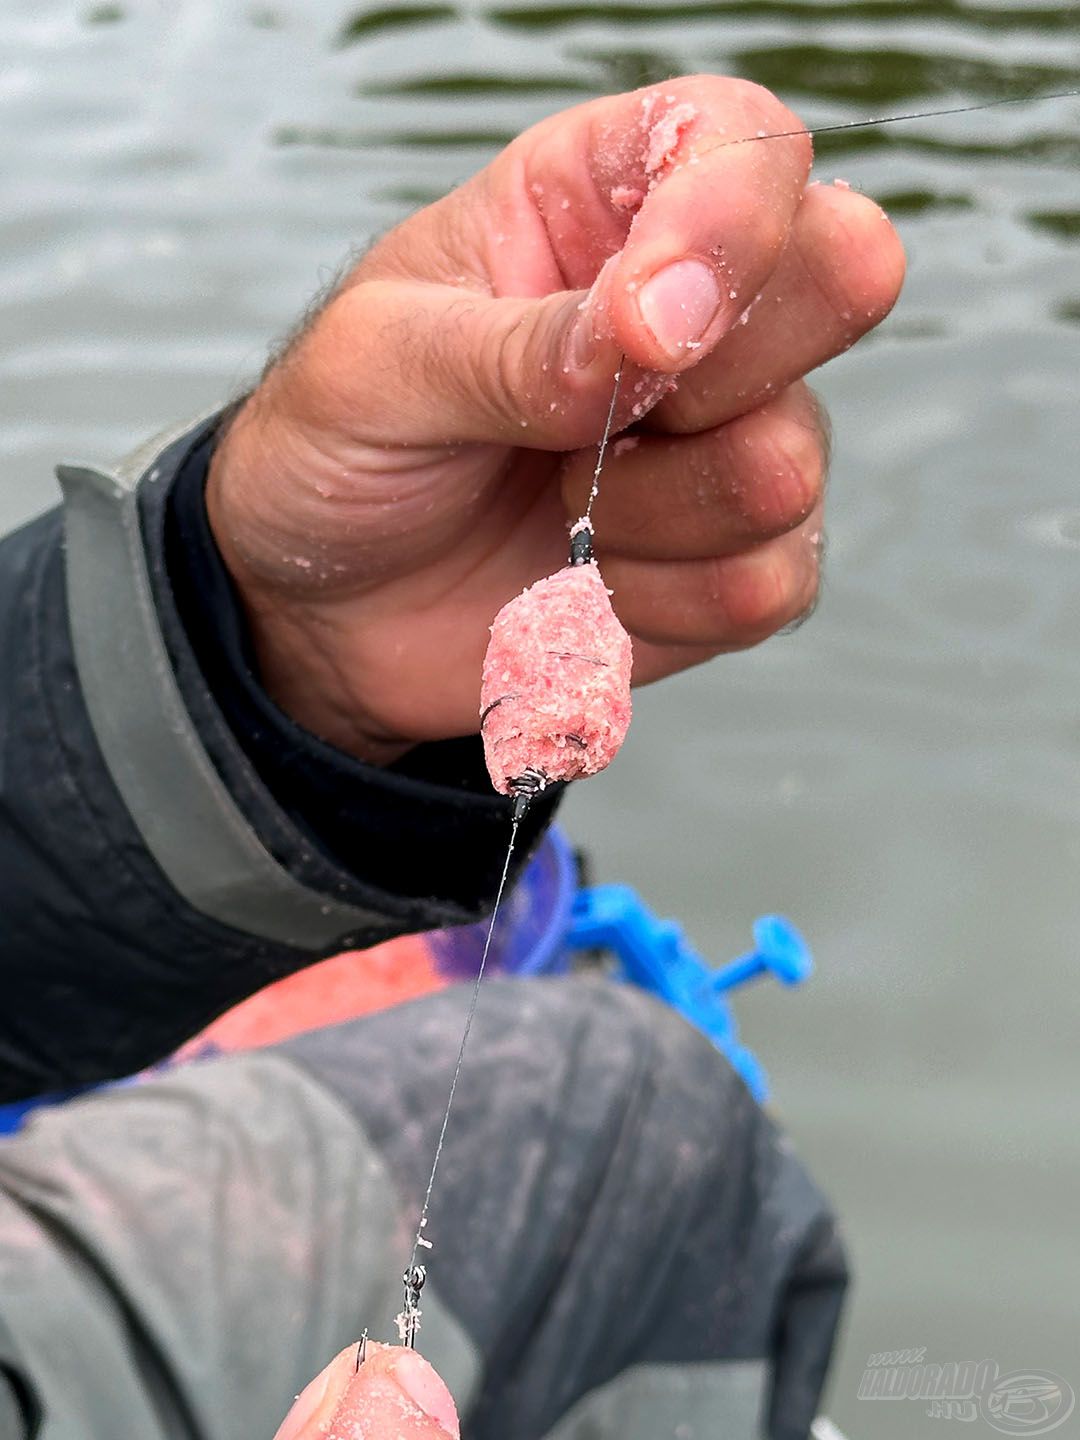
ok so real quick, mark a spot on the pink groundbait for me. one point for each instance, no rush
(555, 693)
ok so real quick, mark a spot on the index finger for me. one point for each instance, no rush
(392, 1394)
(662, 178)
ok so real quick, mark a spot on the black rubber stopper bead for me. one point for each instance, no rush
(581, 547)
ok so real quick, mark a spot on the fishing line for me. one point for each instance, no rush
(415, 1274)
(896, 119)
(586, 519)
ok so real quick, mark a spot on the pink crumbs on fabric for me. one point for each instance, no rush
(555, 692)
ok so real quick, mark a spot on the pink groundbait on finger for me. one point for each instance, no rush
(555, 693)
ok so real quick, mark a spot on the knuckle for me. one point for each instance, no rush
(777, 464)
(426, 353)
(777, 591)
(497, 370)
(754, 599)
(798, 455)
(686, 410)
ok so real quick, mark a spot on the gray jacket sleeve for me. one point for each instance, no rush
(148, 877)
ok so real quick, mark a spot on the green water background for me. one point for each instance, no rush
(902, 777)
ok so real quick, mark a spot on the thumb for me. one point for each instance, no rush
(394, 1395)
(394, 362)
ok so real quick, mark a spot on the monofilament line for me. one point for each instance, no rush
(899, 119)
(410, 1313)
(587, 517)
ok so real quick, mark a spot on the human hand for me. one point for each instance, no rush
(413, 459)
(393, 1395)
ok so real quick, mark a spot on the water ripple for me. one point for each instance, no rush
(991, 18)
(359, 139)
(367, 23)
(1065, 224)
(868, 76)
(462, 85)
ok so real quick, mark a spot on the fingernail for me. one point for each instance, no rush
(426, 1390)
(584, 344)
(593, 321)
(816, 547)
(305, 1406)
(678, 305)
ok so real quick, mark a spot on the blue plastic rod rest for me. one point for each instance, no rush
(779, 950)
(656, 956)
